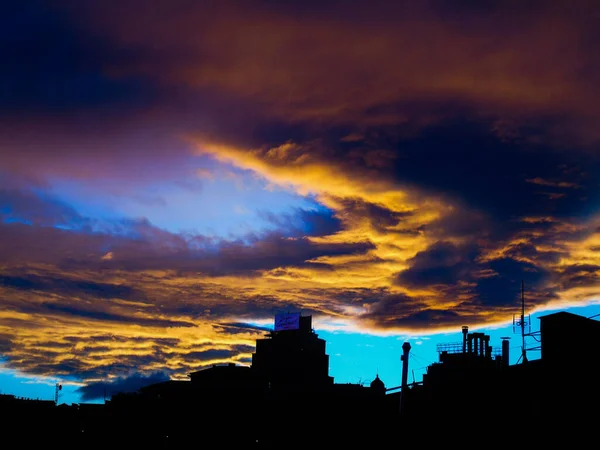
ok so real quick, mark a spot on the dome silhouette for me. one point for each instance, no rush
(377, 384)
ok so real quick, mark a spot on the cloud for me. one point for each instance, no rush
(127, 93)
(304, 222)
(67, 286)
(58, 75)
(368, 63)
(107, 257)
(450, 152)
(441, 263)
(36, 208)
(558, 184)
(171, 302)
(218, 354)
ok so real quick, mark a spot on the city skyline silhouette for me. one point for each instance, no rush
(174, 175)
(294, 401)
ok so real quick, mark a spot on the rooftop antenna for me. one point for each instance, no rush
(522, 323)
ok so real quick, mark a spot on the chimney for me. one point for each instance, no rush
(505, 348)
(488, 348)
(404, 359)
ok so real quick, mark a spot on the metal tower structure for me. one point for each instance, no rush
(522, 323)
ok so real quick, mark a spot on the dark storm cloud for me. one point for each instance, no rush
(204, 300)
(383, 303)
(580, 275)
(492, 180)
(389, 310)
(272, 251)
(41, 365)
(480, 284)
(116, 338)
(263, 252)
(426, 317)
(84, 367)
(529, 251)
(381, 218)
(133, 383)
(462, 160)
(504, 289)
(468, 223)
(461, 157)
(441, 263)
(5, 343)
(580, 268)
(69, 287)
(240, 327)
(96, 314)
(50, 65)
(216, 354)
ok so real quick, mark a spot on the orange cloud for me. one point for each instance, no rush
(558, 184)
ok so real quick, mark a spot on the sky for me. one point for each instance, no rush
(175, 173)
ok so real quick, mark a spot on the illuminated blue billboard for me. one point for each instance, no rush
(288, 321)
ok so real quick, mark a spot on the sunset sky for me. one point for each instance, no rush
(175, 173)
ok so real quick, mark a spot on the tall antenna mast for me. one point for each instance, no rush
(522, 323)
(524, 350)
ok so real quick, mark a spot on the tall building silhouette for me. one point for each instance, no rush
(292, 356)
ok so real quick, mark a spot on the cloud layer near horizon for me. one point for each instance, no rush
(449, 152)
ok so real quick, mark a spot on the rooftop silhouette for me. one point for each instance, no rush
(286, 398)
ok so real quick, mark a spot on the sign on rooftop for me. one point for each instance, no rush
(288, 321)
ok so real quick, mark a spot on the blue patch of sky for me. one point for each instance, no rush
(232, 204)
(10, 220)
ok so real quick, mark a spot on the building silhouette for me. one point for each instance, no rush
(286, 399)
(293, 356)
(473, 387)
(287, 393)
